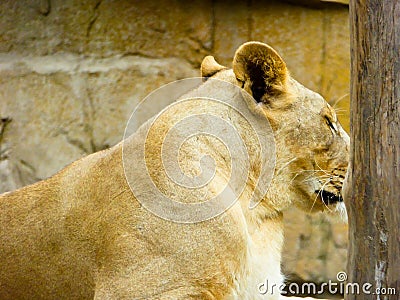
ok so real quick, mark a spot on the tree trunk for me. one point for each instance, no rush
(373, 198)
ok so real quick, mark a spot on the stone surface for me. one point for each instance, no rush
(106, 28)
(43, 27)
(317, 3)
(153, 28)
(231, 29)
(335, 84)
(48, 128)
(315, 247)
(64, 107)
(71, 73)
(114, 94)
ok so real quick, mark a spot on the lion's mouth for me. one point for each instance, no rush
(329, 198)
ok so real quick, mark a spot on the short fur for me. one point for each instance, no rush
(81, 234)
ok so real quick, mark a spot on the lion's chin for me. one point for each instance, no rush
(341, 211)
(333, 205)
(336, 212)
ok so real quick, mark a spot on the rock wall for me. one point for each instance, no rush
(72, 71)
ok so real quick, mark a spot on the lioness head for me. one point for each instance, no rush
(312, 147)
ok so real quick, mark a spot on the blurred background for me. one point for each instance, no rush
(71, 73)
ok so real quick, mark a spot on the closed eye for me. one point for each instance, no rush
(241, 82)
(330, 124)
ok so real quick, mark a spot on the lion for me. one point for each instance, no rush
(83, 233)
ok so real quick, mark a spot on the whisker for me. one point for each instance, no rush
(285, 165)
(339, 99)
(291, 181)
(320, 194)
(324, 177)
(322, 169)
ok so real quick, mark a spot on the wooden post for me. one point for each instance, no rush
(373, 197)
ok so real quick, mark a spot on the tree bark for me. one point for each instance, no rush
(373, 199)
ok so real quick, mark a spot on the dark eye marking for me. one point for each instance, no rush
(330, 124)
(241, 82)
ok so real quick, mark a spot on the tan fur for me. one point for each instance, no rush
(209, 66)
(81, 234)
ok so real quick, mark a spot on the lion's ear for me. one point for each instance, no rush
(209, 67)
(261, 71)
